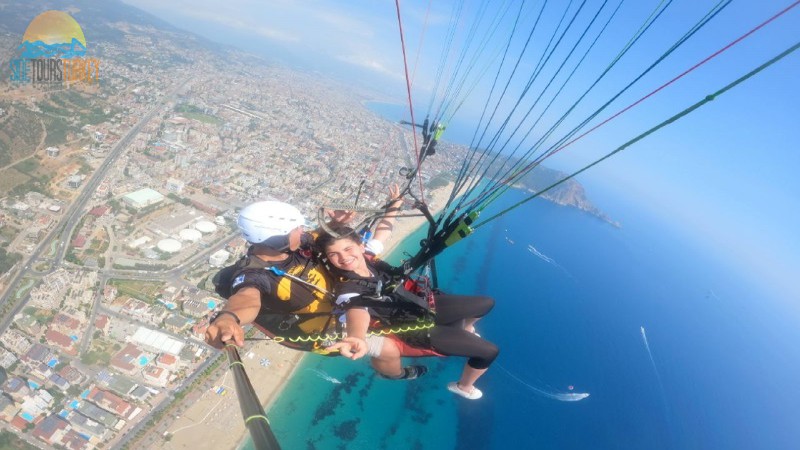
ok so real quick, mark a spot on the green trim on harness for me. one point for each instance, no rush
(463, 229)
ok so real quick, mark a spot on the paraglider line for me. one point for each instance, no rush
(421, 40)
(638, 138)
(686, 72)
(408, 89)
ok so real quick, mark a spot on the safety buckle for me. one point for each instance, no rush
(287, 323)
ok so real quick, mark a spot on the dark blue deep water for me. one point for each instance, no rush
(723, 373)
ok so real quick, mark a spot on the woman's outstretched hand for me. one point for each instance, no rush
(394, 193)
(351, 347)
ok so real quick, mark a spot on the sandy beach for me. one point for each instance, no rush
(215, 420)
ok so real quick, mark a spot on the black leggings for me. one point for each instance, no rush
(450, 338)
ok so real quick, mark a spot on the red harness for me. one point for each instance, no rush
(407, 350)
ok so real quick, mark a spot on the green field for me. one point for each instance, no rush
(193, 112)
(205, 118)
(142, 290)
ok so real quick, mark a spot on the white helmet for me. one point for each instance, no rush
(263, 220)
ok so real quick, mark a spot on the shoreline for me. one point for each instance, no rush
(215, 420)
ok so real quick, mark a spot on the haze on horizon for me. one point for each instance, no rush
(725, 174)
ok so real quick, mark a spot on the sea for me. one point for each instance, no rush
(675, 347)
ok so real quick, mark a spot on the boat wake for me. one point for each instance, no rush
(650, 354)
(547, 259)
(325, 376)
(658, 374)
(541, 255)
(548, 393)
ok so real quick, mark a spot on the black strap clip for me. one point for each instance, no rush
(288, 322)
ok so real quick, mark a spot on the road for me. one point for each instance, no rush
(63, 232)
(75, 211)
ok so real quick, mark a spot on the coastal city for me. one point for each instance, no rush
(118, 205)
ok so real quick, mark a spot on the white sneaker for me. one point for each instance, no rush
(474, 394)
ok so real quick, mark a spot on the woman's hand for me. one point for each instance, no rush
(351, 347)
(394, 193)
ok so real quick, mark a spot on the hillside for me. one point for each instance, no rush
(569, 193)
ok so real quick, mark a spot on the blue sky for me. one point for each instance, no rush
(726, 174)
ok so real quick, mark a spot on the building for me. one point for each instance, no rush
(38, 353)
(72, 375)
(16, 342)
(79, 241)
(38, 404)
(58, 381)
(126, 360)
(219, 258)
(140, 393)
(19, 423)
(156, 376)
(175, 185)
(7, 359)
(157, 342)
(177, 323)
(138, 242)
(52, 151)
(39, 372)
(142, 198)
(61, 341)
(197, 308)
(74, 441)
(97, 414)
(51, 429)
(87, 425)
(167, 361)
(16, 388)
(8, 408)
(98, 211)
(29, 324)
(110, 402)
(101, 323)
(66, 322)
(74, 181)
(121, 385)
(173, 223)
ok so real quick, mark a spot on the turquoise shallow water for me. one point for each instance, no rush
(718, 375)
